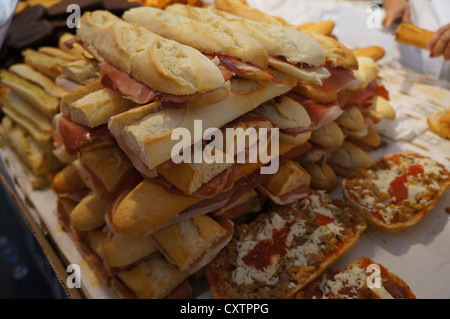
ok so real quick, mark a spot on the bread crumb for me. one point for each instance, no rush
(447, 210)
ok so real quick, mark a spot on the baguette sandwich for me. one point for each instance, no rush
(144, 67)
(290, 51)
(132, 267)
(145, 133)
(131, 216)
(239, 53)
(291, 183)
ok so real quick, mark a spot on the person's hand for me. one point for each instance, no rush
(396, 9)
(440, 43)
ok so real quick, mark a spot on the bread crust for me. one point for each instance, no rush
(389, 213)
(410, 34)
(201, 36)
(439, 123)
(98, 106)
(294, 45)
(164, 65)
(154, 148)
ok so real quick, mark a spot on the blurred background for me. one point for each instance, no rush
(24, 270)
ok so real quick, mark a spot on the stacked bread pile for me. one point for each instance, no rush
(146, 223)
(149, 224)
(29, 101)
(343, 109)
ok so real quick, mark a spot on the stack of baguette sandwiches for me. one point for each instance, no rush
(141, 98)
(149, 223)
(30, 99)
(343, 109)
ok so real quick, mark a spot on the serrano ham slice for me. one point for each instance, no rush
(340, 79)
(362, 98)
(73, 135)
(243, 69)
(320, 114)
(121, 82)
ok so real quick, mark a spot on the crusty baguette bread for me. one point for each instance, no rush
(105, 169)
(380, 109)
(322, 175)
(131, 219)
(164, 65)
(287, 114)
(328, 136)
(184, 243)
(337, 54)
(89, 214)
(75, 49)
(315, 92)
(45, 103)
(49, 65)
(29, 119)
(353, 283)
(410, 34)
(324, 27)
(388, 198)
(82, 71)
(38, 160)
(294, 45)
(289, 177)
(374, 52)
(347, 158)
(146, 131)
(67, 180)
(249, 202)
(351, 119)
(366, 73)
(282, 250)
(152, 279)
(93, 105)
(121, 251)
(30, 74)
(201, 36)
(439, 123)
(242, 9)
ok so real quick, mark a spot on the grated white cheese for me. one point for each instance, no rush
(246, 275)
(429, 166)
(384, 179)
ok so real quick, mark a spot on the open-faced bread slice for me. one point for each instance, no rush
(361, 279)
(396, 191)
(284, 249)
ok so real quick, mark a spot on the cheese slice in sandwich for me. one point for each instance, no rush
(144, 66)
